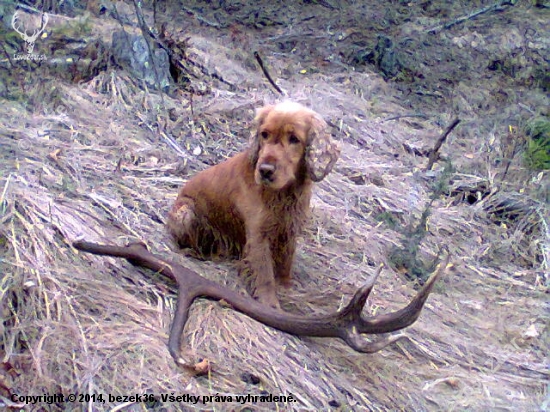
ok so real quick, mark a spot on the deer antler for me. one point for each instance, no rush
(14, 21)
(347, 324)
(32, 38)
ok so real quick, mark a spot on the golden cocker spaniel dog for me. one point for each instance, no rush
(253, 205)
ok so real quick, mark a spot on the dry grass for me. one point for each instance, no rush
(90, 162)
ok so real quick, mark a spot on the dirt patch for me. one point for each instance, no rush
(90, 153)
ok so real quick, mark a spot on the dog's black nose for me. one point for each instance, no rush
(266, 171)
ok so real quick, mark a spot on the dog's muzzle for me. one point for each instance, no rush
(266, 171)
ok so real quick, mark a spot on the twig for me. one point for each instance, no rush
(11, 404)
(202, 19)
(155, 12)
(492, 7)
(29, 8)
(434, 153)
(296, 36)
(8, 59)
(168, 139)
(327, 4)
(266, 73)
(175, 59)
(423, 116)
(509, 157)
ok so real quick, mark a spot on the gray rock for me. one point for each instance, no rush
(130, 52)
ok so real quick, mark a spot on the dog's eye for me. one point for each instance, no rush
(293, 139)
(264, 135)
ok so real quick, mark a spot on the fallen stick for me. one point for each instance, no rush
(492, 7)
(266, 73)
(434, 153)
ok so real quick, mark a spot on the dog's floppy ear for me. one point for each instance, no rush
(321, 152)
(261, 114)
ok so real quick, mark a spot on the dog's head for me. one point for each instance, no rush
(290, 142)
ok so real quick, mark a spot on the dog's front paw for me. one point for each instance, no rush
(267, 297)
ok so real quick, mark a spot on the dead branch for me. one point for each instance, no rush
(421, 115)
(201, 19)
(347, 324)
(493, 7)
(434, 153)
(266, 73)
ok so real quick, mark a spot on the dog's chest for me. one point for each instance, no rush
(285, 215)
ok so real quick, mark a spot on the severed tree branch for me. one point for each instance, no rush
(492, 7)
(266, 73)
(434, 153)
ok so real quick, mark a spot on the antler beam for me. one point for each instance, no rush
(347, 324)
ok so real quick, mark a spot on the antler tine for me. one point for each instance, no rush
(406, 316)
(357, 303)
(178, 324)
(14, 21)
(189, 282)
